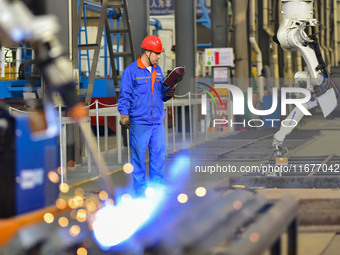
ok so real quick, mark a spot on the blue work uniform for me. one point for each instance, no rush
(141, 98)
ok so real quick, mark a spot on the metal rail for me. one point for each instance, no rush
(220, 156)
(267, 230)
(324, 162)
(283, 182)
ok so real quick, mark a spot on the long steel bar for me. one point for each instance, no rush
(225, 230)
(302, 182)
(244, 145)
(267, 230)
(315, 170)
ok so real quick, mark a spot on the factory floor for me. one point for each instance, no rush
(316, 137)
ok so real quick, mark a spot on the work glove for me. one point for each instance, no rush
(124, 121)
(169, 93)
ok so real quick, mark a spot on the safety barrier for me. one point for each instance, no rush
(182, 101)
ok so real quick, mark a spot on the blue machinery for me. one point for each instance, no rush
(114, 17)
(24, 182)
(205, 20)
(16, 88)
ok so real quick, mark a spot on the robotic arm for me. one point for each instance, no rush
(297, 15)
(18, 24)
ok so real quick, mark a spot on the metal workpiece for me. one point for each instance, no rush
(199, 228)
(267, 230)
(328, 219)
(223, 223)
(42, 238)
(223, 155)
(250, 146)
(200, 225)
(225, 232)
(319, 212)
(194, 227)
(282, 182)
(174, 215)
(333, 247)
(26, 239)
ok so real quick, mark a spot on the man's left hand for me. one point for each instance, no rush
(170, 92)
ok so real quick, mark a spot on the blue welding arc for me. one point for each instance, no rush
(209, 94)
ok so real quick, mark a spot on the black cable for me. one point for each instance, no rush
(322, 65)
(320, 30)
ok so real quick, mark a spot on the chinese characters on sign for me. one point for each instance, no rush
(166, 7)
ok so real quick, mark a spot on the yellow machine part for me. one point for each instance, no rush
(10, 226)
(10, 73)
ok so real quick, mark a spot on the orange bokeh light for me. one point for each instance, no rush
(53, 176)
(254, 237)
(48, 217)
(61, 170)
(81, 215)
(81, 251)
(74, 230)
(60, 203)
(237, 205)
(63, 222)
(64, 188)
(128, 168)
(103, 195)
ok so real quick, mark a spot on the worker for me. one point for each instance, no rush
(141, 108)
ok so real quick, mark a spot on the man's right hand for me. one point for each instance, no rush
(124, 121)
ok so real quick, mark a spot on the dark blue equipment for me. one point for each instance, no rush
(25, 161)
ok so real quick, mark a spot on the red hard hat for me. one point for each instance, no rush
(152, 43)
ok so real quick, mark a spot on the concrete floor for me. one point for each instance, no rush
(327, 143)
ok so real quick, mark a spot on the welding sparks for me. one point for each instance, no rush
(116, 224)
(182, 198)
(201, 191)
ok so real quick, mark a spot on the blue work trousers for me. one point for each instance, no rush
(142, 136)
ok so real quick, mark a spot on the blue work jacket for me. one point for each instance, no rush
(142, 94)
